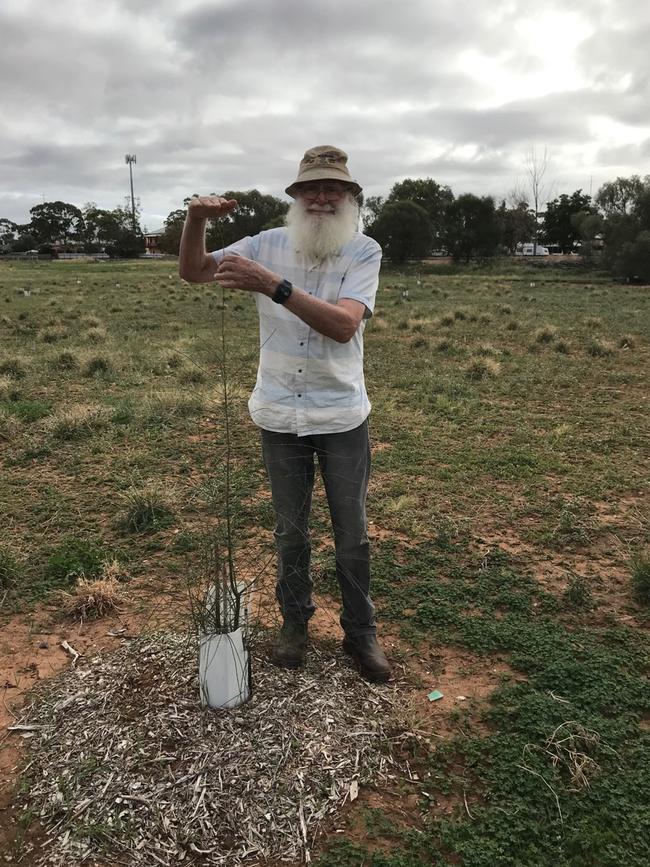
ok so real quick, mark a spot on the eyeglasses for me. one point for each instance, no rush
(331, 191)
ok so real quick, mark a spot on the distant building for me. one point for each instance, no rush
(151, 242)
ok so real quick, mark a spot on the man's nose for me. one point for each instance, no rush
(322, 196)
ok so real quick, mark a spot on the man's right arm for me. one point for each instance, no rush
(194, 262)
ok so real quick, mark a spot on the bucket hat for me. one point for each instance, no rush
(323, 163)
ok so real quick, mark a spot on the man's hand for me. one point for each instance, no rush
(237, 272)
(209, 207)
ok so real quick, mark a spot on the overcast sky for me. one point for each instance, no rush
(227, 94)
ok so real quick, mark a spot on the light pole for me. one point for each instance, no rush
(130, 159)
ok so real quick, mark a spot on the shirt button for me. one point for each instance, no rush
(300, 370)
(299, 395)
(302, 344)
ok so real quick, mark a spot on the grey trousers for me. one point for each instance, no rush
(344, 461)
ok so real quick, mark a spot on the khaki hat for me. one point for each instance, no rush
(324, 163)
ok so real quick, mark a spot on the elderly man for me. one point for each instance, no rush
(314, 283)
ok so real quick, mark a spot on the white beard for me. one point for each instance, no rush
(317, 236)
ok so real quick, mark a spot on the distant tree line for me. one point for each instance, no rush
(60, 226)
(418, 218)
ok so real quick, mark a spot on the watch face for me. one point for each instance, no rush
(282, 292)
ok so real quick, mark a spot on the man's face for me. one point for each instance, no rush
(322, 197)
(323, 218)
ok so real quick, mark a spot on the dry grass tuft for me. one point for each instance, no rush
(9, 426)
(488, 349)
(173, 403)
(600, 348)
(192, 376)
(65, 360)
(53, 334)
(545, 334)
(95, 598)
(13, 366)
(97, 364)
(95, 335)
(76, 422)
(7, 387)
(147, 507)
(482, 368)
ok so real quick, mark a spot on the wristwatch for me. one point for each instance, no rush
(282, 292)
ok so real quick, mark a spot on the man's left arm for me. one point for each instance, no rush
(338, 321)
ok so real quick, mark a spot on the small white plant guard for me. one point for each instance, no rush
(224, 657)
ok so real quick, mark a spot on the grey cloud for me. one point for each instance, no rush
(229, 94)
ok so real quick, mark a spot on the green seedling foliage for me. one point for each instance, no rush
(641, 579)
(75, 557)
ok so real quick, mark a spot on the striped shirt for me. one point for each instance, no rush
(308, 383)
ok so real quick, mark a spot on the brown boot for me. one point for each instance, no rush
(290, 648)
(369, 657)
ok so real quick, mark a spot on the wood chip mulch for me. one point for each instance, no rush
(126, 766)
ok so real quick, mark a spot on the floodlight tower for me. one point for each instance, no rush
(130, 159)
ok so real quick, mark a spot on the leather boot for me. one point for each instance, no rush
(290, 648)
(369, 657)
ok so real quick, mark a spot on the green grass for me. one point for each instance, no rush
(508, 497)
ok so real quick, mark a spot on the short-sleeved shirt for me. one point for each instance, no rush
(307, 383)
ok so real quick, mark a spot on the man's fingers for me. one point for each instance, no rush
(211, 206)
